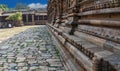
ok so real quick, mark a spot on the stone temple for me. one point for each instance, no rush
(88, 33)
(72, 35)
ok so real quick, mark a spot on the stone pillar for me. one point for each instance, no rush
(27, 18)
(33, 21)
(43, 22)
(38, 18)
(43, 17)
(32, 18)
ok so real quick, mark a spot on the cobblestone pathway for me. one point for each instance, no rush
(31, 50)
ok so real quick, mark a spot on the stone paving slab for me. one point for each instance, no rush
(30, 50)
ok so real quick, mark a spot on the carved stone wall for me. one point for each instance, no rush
(89, 30)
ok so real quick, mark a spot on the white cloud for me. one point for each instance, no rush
(37, 5)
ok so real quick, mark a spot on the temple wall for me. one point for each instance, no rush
(89, 30)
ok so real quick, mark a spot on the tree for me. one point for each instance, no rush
(20, 6)
(15, 18)
(3, 7)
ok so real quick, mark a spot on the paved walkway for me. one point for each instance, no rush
(31, 50)
(10, 32)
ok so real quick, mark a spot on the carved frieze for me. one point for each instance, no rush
(99, 4)
(113, 34)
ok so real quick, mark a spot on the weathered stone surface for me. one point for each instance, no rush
(29, 51)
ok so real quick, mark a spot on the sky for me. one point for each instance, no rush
(30, 3)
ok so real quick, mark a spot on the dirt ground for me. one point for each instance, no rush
(9, 32)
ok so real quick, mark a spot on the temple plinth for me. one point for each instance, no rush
(88, 32)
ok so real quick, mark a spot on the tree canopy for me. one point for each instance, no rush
(20, 6)
(15, 16)
(3, 7)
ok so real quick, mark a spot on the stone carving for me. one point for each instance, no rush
(103, 32)
(91, 31)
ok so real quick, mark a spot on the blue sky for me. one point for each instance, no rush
(12, 3)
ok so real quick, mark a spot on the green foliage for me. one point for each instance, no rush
(15, 16)
(3, 7)
(20, 6)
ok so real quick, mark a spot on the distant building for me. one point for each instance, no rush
(29, 17)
